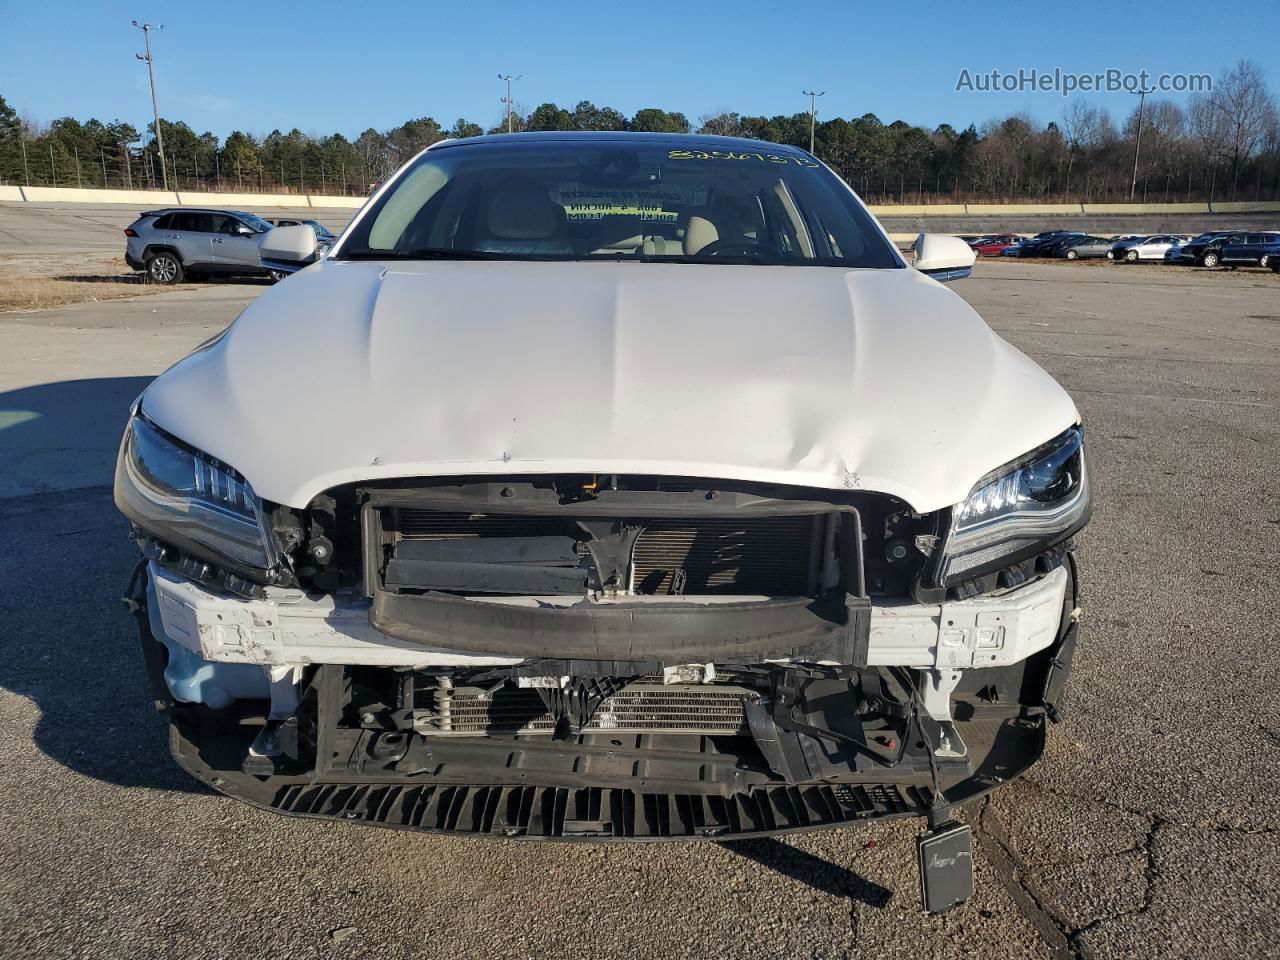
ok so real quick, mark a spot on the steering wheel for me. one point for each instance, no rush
(739, 246)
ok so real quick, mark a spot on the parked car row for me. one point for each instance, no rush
(1230, 248)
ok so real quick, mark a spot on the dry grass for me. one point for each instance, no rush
(33, 293)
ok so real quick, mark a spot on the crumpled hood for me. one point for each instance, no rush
(876, 380)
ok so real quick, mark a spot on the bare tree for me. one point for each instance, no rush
(1241, 111)
(1163, 129)
(722, 123)
(1079, 130)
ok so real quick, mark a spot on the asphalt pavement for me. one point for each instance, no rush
(1148, 830)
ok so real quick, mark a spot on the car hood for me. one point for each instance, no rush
(877, 380)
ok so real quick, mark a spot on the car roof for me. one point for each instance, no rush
(163, 210)
(683, 141)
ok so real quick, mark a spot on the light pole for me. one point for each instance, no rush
(1137, 140)
(507, 99)
(813, 112)
(146, 29)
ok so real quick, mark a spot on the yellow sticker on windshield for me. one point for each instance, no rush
(597, 201)
(736, 155)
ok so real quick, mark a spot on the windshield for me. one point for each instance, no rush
(255, 223)
(619, 200)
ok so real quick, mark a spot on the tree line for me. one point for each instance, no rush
(1224, 144)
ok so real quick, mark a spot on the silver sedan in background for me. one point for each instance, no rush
(1146, 248)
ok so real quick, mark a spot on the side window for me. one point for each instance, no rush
(201, 222)
(165, 222)
(221, 223)
(1256, 238)
(182, 221)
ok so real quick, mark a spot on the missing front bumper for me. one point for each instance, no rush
(606, 784)
(540, 797)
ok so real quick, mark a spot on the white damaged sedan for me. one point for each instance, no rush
(610, 487)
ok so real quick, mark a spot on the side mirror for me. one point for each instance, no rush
(287, 249)
(243, 231)
(943, 257)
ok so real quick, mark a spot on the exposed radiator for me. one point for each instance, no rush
(709, 709)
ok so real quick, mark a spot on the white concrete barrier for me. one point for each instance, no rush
(182, 198)
(150, 198)
(227, 200)
(918, 210)
(1245, 206)
(336, 203)
(1146, 208)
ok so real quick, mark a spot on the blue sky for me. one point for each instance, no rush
(323, 66)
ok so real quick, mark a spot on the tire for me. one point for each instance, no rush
(164, 268)
(1111, 255)
(276, 275)
(1264, 261)
(1072, 255)
(1210, 259)
(1131, 256)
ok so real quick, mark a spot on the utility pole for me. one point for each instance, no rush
(1137, 140)
(26, 170)
(813, 112)
(146, 29)
(507, 99)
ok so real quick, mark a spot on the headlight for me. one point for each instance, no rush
(1021, 509)
(190, 500)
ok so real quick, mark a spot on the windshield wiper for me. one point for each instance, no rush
(421, 253)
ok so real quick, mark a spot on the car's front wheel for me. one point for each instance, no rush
(1132, 256)
(1072, 255)
(164, 268)
(276, 275)
(1264, 261)
(1210, 259)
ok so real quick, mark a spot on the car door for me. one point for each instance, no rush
(1154, 247)
(1258, 244)
(1230, 248)
(235, 245)
(188, 233)
(1240, 249)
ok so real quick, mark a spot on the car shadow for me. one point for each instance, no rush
(67, 642)
(821, 875)
(131, 279)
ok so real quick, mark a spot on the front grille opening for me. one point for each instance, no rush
(766, 556)
(534, 555)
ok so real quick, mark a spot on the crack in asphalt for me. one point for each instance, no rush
(1150, 874)
(1053, 931)
(1217, 826)
(1064, 939)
